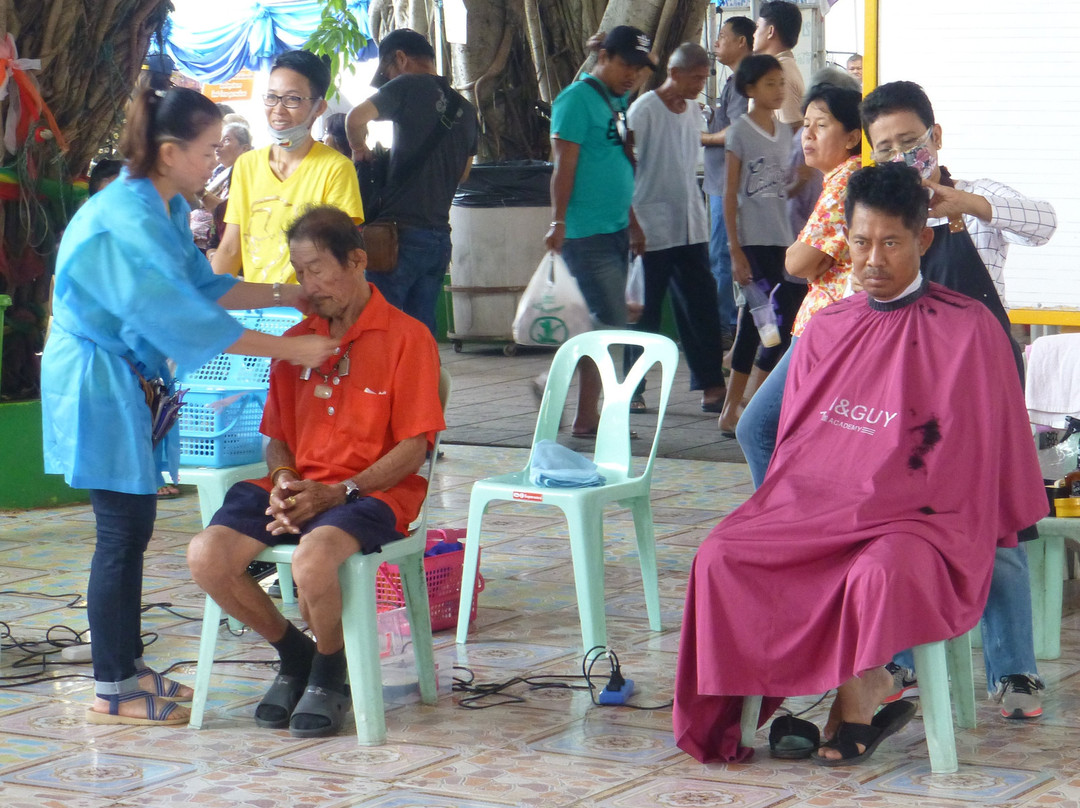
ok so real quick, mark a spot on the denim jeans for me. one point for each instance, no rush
(720, 260)
(414, 284)
(1008, 642)
(599, 265)
(756, 430)
(125, 523)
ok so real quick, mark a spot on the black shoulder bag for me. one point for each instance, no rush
(622, 128)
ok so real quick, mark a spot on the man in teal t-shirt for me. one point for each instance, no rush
(592, 187)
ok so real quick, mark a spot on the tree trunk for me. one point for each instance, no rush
(520, 52)
(91, 52)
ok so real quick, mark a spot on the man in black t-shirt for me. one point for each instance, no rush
(425, 169)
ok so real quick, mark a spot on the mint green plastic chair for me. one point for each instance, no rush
(584, 507)
(359, 618)
(941, 666)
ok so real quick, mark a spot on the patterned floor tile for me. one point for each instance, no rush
(342, 755)
(621, 743)
(419, 799)
(24, 797)
(470, 729)
(523, 777)
(64, 721)
(679, 792)
(979, 784)
(260, 787)
(100, 773)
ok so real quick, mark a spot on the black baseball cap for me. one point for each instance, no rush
(632, 44)
(400, 39)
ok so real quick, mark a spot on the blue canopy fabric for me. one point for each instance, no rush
(212, 41)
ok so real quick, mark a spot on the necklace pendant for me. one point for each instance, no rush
(342, 367)
(323, 391)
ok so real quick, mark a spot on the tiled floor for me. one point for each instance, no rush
(552, 749)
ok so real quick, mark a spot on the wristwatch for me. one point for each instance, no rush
(352, 490)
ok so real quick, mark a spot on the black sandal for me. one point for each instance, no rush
(792, 738)
(889, 720)
(281, 700)
(320, 712)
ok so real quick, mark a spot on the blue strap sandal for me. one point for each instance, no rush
(163, 688)
(169, 714)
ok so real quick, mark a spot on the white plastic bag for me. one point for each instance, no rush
(635, 289)
(552, 308)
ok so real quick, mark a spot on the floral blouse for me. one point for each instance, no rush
(826, 231)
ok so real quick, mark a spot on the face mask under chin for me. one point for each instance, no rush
(292, 138)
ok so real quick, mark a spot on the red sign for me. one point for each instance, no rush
(528, 496)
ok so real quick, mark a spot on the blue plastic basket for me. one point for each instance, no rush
(219, 426)
(244, 371)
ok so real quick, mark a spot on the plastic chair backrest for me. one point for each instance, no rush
(445, 387)
(613, 434)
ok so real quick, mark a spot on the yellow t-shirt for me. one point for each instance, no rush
(263, 205)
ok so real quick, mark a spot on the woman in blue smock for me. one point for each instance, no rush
(131, 290)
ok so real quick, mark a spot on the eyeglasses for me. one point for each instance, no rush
(888, 155)
(287, 101)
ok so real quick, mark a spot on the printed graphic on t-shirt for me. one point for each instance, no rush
(265, 243)
(764, 180)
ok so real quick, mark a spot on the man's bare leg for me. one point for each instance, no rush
(590, 386)
(315, 567)
(218, 558)
(856, 702)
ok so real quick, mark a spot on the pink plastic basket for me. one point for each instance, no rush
(443, 574)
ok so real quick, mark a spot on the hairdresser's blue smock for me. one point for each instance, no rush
(131, 283)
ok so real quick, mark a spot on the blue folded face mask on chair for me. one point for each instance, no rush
(555, 466)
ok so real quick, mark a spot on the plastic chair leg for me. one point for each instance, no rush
(360, 625)
(1046, 591)
(207, 644)
(933, 671)
(587, 551)
(961, 679)
(285, 583)
(751, 711)
(646, 544)
(477, 505)
(414, 587)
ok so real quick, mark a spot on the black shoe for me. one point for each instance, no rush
(274, 590)
(260, 569)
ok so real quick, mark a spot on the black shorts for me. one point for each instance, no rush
(368, 520)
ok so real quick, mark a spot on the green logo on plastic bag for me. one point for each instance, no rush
(548, 331)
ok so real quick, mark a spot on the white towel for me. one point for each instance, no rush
(1053, 379)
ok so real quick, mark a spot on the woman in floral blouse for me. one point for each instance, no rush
(832, 139)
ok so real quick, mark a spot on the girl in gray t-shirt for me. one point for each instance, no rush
(758, 148)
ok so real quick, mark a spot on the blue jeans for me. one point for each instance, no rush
(756, 430)
(125, 523)
(414, 284)
(720, 260)
(1008, 644)
(599, 264)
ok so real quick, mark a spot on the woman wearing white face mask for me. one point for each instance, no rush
(271, 185)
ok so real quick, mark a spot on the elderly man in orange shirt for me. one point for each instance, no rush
(346, 442)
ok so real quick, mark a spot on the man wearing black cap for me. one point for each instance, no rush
(435, 137)
(592, 186)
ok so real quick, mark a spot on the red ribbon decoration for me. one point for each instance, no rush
(28, 105)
